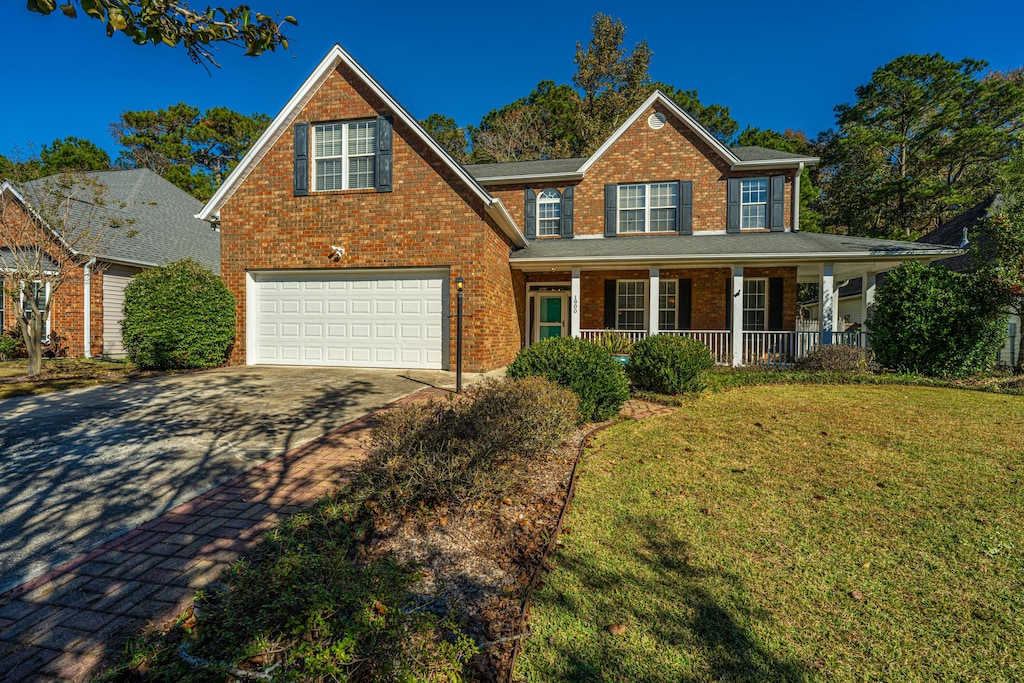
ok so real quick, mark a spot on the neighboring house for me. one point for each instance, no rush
(85, 314)
(345, 228)
(957, 231)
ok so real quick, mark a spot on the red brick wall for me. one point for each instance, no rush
(643, 155)
(430, 219)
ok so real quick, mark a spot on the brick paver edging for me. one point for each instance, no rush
(62, 625)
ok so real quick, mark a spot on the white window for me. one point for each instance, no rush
(754, 203)
(667, 304)
(755, 304)
(631, 304)
(549, 213)
(650, 207)
(41, 293)
(343, 155)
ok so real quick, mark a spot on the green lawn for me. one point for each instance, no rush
(64, 373)
(795, 533)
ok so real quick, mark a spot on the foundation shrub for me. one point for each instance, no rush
(838, 358)
(8, 347)
(588, 370)
(446, 452)
(667, 364)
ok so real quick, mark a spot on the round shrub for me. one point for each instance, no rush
(934, 321)
(838, 358)
(589, 371)
(178, 316)
(667, 364)
(8, 346)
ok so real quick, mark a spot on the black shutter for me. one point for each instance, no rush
(383, 161)
(300, 181)
(568, 201)
(684, 305)
(732, 219)
(728, 302)
(611, 291)
(530, 213)
(777, 203)
(684, 219)
(776, 287)
(611, 198)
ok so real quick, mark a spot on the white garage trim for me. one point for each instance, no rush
(348, 318)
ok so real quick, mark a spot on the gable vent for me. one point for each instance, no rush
(656, 121)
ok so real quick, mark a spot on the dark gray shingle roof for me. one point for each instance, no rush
(161, 216)
(525, 169)
(763, 154)
(795, 244)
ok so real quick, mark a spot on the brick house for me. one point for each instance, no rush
(344, 229)
(86, 310)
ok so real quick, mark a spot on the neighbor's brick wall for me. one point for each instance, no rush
(642, 155)
(430, 219)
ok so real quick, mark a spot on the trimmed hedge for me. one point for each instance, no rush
(178, 316)
(838, 358)
(589, 371)
(931, 320)
(668, 364)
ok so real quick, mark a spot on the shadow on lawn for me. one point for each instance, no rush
(683, 612)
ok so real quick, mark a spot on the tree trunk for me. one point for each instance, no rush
(32, 333)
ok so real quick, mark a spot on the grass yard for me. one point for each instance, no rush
(794, 533)
(64, 373)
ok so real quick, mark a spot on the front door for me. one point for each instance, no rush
(551, 318)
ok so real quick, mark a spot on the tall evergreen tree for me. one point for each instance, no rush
(72, 154)
(446, 131)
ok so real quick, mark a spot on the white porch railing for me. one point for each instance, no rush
(632, 335)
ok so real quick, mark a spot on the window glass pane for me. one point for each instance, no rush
(754, 304)
(631, 295)
(327, 140)
(551, 309)
(547, 227)
(755, 190)
(328, 175)
(754, 203)
(361, 137)
(632, 196)
(360, 172)
(663, 219)
(664, 195)
(631, 220)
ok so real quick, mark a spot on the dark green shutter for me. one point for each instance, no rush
(300, 181)
(530, 213)
(776, 287)
(383, 162)
(732, 219)
(777, 203)
(611, 198)
(611, 292)
(684, 219)
(684, 305)
(568, 202)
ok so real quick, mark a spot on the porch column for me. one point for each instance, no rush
(574, 304)
(827, 296)
(736, 324)
(653, 301)
(867, 296)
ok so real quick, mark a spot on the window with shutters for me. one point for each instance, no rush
(755, 304)
(753, 203)
(668, 291)
(649, 207)
(549, 213)
(630, 305)
(343, 155)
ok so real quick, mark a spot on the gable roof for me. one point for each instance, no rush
(160, 215)
(755, 159)
(336, 56)
(518, 171)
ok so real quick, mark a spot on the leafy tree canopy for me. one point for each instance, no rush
(445, 130)
(72, 154)
(194, 150)
(175, 23)
(925, 138)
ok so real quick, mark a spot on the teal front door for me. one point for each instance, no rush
(551, 322)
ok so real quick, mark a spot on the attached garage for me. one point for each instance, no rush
(115, 279)
(368, 319)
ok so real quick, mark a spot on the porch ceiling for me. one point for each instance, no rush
(803, 249)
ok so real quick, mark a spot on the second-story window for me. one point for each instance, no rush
(344, 155)
(648, 207)
(754, 203)
(549, 213)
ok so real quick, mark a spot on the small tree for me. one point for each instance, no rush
(931, 320)
(49, 230)
(178, 316)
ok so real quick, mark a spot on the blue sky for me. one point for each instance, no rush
(783, 69)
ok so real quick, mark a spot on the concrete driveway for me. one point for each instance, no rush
(80, 467)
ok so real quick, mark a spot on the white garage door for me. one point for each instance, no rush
(387, 319)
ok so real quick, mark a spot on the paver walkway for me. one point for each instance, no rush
(62, 626)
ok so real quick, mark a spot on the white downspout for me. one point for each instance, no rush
(796, 197)
(87, 308)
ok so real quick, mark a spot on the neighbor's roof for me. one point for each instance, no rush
(160, 216)
(9, 260)
(775, 246)
(753, 153)
(525, 169)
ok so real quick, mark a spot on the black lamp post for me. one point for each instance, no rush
(459, 284)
